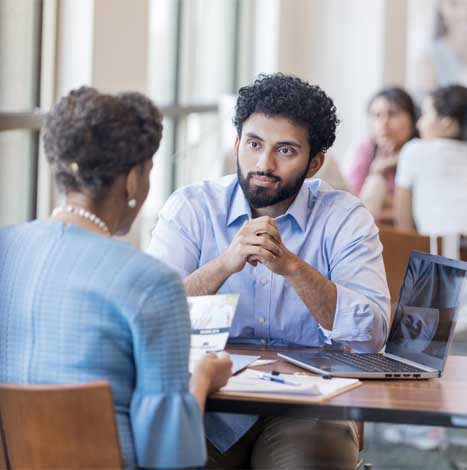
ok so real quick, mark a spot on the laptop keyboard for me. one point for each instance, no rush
(371, 362)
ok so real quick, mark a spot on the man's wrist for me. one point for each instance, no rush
(223, 266)
(295, 268)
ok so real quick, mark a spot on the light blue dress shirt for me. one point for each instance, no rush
(331, 230)
(76, 307)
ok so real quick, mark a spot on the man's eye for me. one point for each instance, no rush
(285, 151)
(252, 144)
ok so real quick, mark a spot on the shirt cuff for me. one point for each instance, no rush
(355, 319)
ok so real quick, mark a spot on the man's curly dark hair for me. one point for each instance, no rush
(90, 138)
(292, 98)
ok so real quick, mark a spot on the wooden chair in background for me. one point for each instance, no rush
(397, 246)
(2, 453)
(58, 427)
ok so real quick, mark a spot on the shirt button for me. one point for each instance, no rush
(262, 320)
(263, 281)
(263, 341)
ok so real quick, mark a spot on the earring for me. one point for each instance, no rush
(132, 203)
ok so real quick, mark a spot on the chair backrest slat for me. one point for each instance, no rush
(3, 461)
(60, 426)
(397, 245)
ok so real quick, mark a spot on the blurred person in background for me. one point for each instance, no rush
(79, 306)
(372, 166)
(431, 181)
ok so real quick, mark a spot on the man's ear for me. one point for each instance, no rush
(235, 147)
(315, 164)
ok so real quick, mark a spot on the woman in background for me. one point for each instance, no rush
(431, 182)
(392, 118)
(79, 306)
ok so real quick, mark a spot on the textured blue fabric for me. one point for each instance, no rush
(331, 230)
(77, 307)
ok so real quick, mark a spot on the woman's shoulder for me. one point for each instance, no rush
(139, 266)
(72, 245)
(98, 254)
(132, 276)
(416, 147)
(427, 147)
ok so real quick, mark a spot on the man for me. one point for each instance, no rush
(306, 260)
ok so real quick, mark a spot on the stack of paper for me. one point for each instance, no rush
(252, 381)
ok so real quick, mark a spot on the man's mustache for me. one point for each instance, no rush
(263, 174)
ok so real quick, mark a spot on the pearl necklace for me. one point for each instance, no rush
(85, 214)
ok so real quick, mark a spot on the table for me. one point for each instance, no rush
(436, 402)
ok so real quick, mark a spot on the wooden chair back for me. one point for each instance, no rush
(58, 427)
(397, 246)
(3, 465)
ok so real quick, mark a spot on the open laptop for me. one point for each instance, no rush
(432, 294)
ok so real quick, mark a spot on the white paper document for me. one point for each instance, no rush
(263, 362)
(241, 361)
(252, 381)
(211, 318)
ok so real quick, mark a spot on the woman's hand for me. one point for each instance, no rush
(211, 373)
(217, 369)
(386, 159)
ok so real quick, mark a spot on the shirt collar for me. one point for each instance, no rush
(239, 206)
(299, 207)
(298, 210)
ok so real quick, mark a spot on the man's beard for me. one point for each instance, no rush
(260, 196)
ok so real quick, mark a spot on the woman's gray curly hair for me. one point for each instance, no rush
(90, 138)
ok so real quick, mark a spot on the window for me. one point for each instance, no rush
(20, 45)
(194, 60)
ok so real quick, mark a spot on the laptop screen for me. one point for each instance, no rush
(433, 292)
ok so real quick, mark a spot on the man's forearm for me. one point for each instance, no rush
(318, 293)
(208, 279)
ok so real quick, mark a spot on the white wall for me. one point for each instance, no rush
(121, 41)
(337, 55)
(103, 43)
(349, 48)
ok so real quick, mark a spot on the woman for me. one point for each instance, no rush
(431, 193)
(392, 118)
(78, 305)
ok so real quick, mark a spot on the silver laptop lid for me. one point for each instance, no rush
(433, 291)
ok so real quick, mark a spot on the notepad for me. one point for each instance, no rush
(250, 381)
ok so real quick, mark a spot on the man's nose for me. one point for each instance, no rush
(266, 162)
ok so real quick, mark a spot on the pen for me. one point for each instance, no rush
(274, 378)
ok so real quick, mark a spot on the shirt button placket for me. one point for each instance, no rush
(262, 301)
